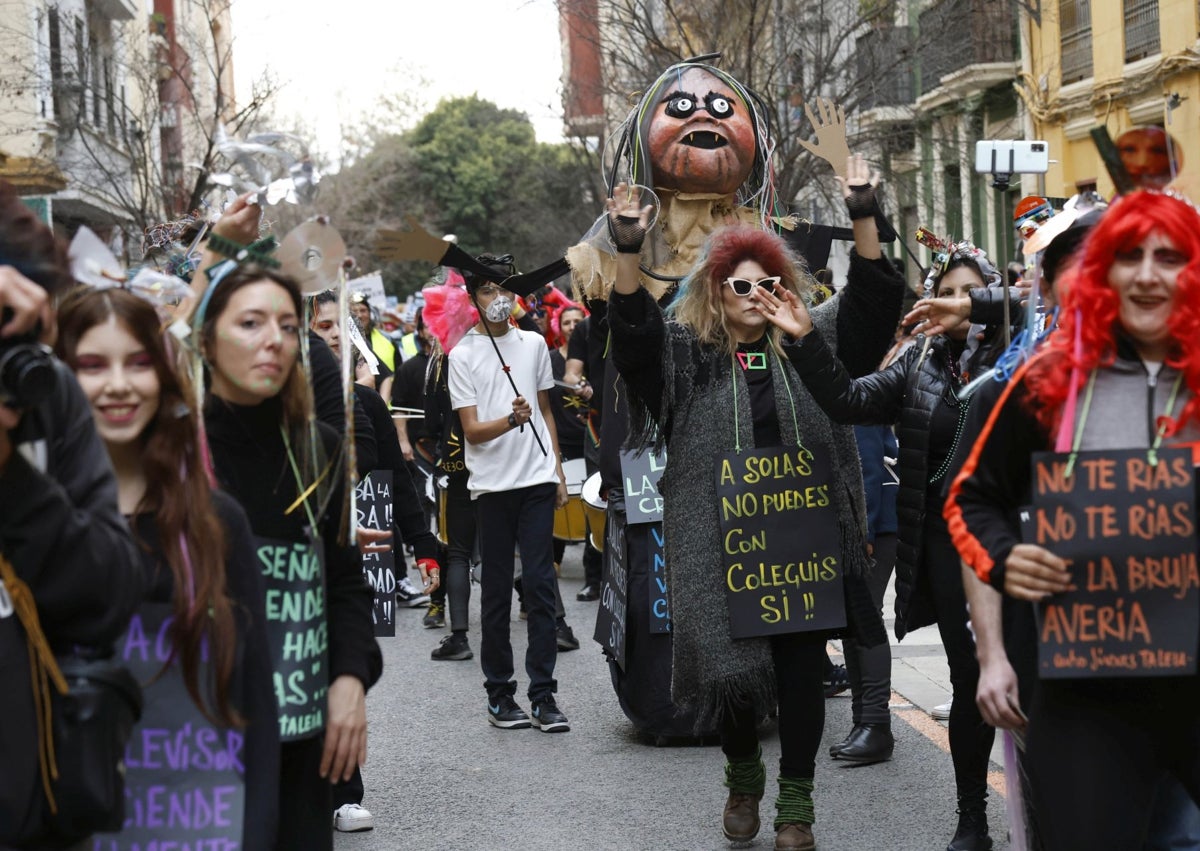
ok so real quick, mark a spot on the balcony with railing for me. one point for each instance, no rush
(883, 58)
(1141, 29)
(956, 34)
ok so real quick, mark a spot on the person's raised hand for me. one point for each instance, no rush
(1034, 573)
(783, 309)
(28, 303)
(239, 222)
(628, 221)
(858, 187)
(938, 315)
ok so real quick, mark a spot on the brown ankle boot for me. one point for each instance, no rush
(740, 821)
(795, 837)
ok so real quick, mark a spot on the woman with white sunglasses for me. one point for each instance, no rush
(714, 380)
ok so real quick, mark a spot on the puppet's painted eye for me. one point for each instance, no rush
(719, 107)
(680, 107)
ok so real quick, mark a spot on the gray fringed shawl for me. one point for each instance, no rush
(711, 671)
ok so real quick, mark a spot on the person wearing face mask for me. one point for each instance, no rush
(516, 479)
(920, 393)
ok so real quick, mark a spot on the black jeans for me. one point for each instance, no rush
(508, 519)
(460, 525)
(1097, 753)
(970, 737)
(799, 658)
(305, 798)
(870, 668)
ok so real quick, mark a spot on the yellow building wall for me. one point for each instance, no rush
(1104, 99)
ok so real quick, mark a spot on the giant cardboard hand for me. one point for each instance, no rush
(830, 130)
(416, 243)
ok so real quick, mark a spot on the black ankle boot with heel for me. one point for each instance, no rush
(972, 832)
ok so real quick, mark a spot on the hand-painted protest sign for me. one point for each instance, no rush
(184, 777)
(780, 541)
(298, 633)
(640, 472)
(373, 499)
(660, 616)
(610, 618)
(1128, 530)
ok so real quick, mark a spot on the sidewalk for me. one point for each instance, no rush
(920, 675)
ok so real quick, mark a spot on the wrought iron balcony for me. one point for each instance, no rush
(883, 56)
(956, 34)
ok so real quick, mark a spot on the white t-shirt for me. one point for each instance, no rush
(512, 460)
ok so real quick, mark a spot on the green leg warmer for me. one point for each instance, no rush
(794, 804)
(748, 777)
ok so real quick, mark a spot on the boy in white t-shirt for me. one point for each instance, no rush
(517, 481)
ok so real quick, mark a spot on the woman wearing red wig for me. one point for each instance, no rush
(714, 382)
(1122, 374)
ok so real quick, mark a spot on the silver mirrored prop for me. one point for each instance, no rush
(275, 166)
(312, 254)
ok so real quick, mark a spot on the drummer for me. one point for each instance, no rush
(570, 406)
(497, 374)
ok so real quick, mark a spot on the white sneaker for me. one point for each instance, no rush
(941, 712)
(408, 595)
(351, 818)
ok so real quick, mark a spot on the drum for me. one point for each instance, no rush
(569, 522)
(595, 507)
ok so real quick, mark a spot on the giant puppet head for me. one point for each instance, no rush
(698, 130)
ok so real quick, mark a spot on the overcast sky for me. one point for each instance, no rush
(336, 58)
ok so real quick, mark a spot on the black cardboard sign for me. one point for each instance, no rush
(298, 631)
(660, 614)
(373, 500)
(640, 472)
(1128, 530)
(614, 588)
(184, 777)
(780, 541)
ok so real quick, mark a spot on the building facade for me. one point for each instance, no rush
(1121, 66)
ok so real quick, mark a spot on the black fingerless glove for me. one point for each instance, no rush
(627, 234)
(861, 203)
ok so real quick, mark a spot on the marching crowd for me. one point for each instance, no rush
(186, 633)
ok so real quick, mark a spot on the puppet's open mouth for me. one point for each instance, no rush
(706, 139)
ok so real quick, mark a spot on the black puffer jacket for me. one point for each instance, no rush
(904, 393)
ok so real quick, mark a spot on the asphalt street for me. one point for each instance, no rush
(439, 776)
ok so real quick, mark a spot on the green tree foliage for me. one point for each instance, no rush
(468, 168)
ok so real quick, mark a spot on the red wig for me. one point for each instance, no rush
(1091, 306)
(735, 243)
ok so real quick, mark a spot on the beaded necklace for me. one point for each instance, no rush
(963, 403)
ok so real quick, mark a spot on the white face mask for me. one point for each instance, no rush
(499, 310)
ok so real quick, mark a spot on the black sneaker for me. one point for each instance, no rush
(566, 638)
(409, 596)
(435, 617)
(547, 718)
(453, 648)
(506, 715)
(836, 681)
